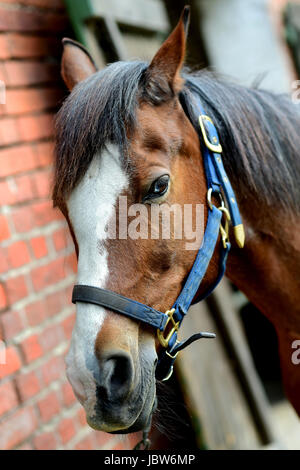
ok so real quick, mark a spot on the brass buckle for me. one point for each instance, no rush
(224, 230)
(216, 148)
(164, 341)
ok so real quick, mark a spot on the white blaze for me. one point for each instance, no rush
(91, 206)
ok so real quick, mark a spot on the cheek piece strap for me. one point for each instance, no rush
(167, 323)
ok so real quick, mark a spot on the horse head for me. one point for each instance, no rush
(124, 141)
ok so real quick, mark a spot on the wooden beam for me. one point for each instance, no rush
(221, 304)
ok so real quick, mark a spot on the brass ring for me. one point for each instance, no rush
(210, 192)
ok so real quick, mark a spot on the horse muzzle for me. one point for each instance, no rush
(117, 393)
(124, 415)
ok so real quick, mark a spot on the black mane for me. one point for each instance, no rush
(259, 131)
(99, 110)
(260, 136)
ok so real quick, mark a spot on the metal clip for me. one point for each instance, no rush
(210, 192)
(216, 148)
(224, 230)
(164, 341)
(169, 374)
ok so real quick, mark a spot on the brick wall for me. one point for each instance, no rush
(37, 263)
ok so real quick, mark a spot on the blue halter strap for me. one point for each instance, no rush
(168, 323)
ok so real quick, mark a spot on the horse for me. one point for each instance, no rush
(126, 132)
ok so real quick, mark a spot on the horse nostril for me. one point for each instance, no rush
(116, 376)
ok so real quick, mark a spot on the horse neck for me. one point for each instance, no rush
(267, 269)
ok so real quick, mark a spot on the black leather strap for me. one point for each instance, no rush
(118, 303)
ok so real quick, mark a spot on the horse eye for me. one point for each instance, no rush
(158, 188)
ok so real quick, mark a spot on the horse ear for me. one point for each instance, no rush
(76, 64)
(163, 74)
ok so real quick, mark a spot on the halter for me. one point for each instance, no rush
(167, 324)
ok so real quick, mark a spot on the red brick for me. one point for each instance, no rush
(60, 239)
(85, 444)
(6, 196)
(35, 127)
(71, 263)
(31, 348)
(34, 215)
(2, 73)
(25, 446)
(4, 52)
(51, 337)
(101, 439)
(4, 230)
(36, 313)
(16, 159)
(27, 20)
(21, 46)
(16, 289)
(44, 213)
(53, 369)
(17, 428)
(18, 254)
(68, 395)
(42, 181)
(67, 294)
(23, 101)
(45, 441)
(3, 298)
(53, 303)
(66, 430)
(12, 364)
(8, 131)
(23, 219)
(20, 73)
(81, 417)
(16, 190)
(49, 407)
(28, 385)
(4, 265)
(12, 324)
(68, 325)
(39, 247)
(49, 4)
(8, 397)
(48, 274)
(120, 446)
(44, 152)
(24, 188)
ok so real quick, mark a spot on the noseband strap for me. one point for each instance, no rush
(120, 304)
(168, 323)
